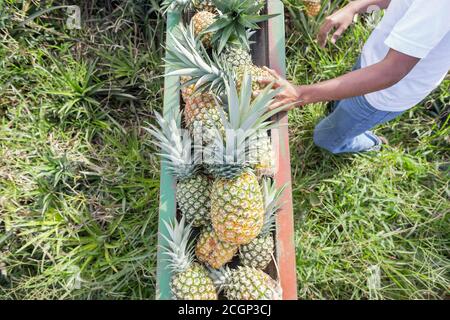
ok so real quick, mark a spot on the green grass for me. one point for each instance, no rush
(79, 182)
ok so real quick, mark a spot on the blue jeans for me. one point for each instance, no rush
(347, 128)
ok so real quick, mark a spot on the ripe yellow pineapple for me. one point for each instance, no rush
(262, 155)
(201, 111)
(212, 251)
(201, 21)
(312, 7)
(237, 210)
(204, 5)
(246, 283)
(258, 253)
(257, 74)
(237, 205)
(190, 280)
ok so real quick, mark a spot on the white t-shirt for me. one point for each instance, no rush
(419, 28)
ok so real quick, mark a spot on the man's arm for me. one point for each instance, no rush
(343, 18)
(393, 68)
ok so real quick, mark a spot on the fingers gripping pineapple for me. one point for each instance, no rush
(211, 250)
(190, 280)
(258, 253)
(193, 189)
(237, 204)
(246, 283)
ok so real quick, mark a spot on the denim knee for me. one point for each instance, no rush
(323, 138)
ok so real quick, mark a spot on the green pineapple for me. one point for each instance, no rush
(258, 253)
(246, 283)
(190, 280)
(237, 205)
(193, 188)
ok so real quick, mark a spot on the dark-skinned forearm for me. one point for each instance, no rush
(357, 83)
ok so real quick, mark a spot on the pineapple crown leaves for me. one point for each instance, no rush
(228, 155)
(179, 249)
(176, 145)
(175, 5)
(272, 203)
(236, 16)
(186, 56)
(220, 276)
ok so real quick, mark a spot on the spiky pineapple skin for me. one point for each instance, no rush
(193, 198)
(202, 116)
(246, 283)
(258, 253)
(212, 251)
(262, 155)
(237, 208)
(193, 284)
(204, 5)
(236, 56)
(257, 74)
(202, 20)
(201, 112)
(312, 7)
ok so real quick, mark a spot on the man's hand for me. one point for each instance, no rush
(289, 97)
(340, 21)
(343, 18)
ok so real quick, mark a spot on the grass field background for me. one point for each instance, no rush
(79, 180)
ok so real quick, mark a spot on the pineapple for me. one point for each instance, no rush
(246, 283)
(204, 5)
(202, 21)
(201, 115)
(235, 56)
(212, 251)
(176, 5)
(201, 111)
(262, 155)
(186, 56)
(190, 280)
(257, 74)
(183, 5)
(235, 18)
(312, 7)
(193, 189)
(237, 204)
(258, 253)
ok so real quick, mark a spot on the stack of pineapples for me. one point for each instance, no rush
(220, 152)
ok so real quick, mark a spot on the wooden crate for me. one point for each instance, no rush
(269, 50)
